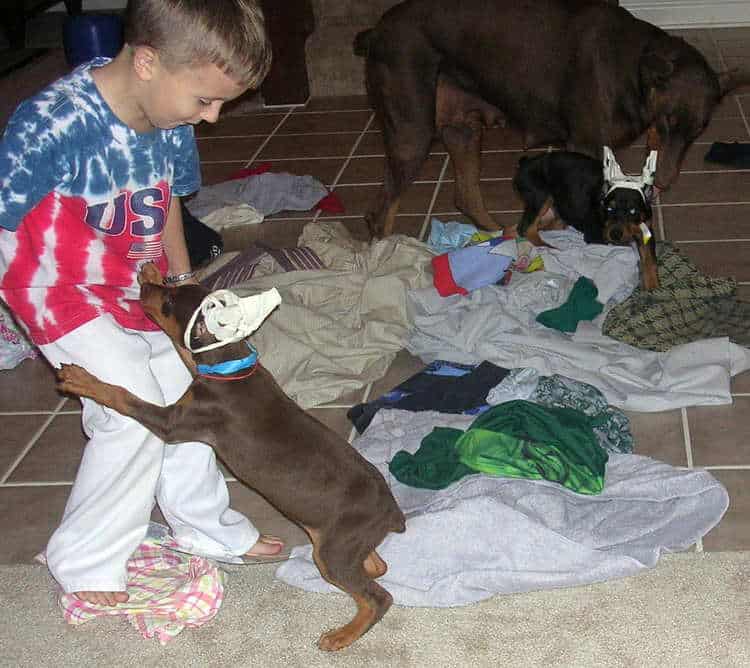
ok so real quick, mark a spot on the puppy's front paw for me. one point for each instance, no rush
(73, 379)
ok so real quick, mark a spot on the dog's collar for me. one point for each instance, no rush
(231, 369)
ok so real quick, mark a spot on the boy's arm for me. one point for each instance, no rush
(175, 247)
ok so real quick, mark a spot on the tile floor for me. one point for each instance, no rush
(707, 213)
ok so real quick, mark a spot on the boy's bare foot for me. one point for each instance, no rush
(267, 546)
(108, 598)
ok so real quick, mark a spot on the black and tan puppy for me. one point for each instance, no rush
(299, 465)
(575, 73)
(571, 187)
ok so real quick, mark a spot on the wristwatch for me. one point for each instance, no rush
(179, 277)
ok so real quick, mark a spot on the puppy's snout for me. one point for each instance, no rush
(615, 234)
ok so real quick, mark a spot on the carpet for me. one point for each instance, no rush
(693, 609)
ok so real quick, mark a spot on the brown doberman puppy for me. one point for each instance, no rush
(299, 465)
(583, 74)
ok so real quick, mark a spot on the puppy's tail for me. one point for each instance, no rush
(362, 43)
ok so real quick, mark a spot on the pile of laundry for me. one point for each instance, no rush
(513, 481)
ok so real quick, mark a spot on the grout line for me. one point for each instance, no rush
(264, 143)
(32, 442)
(711, 241)
(301, 112)
(342, 169)
(686, 434)
(52, 412)
(352, 151)
(689, 204)
(43, 483)
(429, 214)
(311, 133)
(728, 467)
(742, 113)
(689, 457)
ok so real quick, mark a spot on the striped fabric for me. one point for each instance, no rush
(169, 592)
(245, 266)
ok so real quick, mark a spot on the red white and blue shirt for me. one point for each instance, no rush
(83, 204)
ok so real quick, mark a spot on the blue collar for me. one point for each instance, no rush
(230, 366)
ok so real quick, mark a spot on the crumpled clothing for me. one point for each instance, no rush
(517, 439)
(14, 346)
(687, 306)
(611, 426)
(260, 194)
(448, 236)
(168, 591)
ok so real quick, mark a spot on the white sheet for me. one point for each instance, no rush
(483, 535)
(499, 324)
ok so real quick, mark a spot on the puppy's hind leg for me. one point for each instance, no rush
(351, 574)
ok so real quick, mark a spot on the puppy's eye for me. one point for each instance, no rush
(633, 212)
(610, 209)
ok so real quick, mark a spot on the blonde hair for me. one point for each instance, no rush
(227, 33)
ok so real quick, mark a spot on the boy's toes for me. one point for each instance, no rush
(105, 598)
(267, 546)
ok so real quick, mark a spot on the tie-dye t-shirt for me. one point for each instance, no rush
(83, 203)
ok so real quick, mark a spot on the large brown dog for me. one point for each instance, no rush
(578, 73)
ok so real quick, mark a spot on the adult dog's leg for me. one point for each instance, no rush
(404, 100)
(464, 144)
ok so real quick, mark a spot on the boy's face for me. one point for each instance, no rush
(187, 95)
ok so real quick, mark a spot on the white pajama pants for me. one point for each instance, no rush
(125, 468)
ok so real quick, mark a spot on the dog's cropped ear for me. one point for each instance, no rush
(732, 79)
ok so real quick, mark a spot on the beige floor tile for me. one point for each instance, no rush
(706, 222)
(324, 170)
(228, 148)
(17, 431)
(344, 102)
(741, 383)
(313, 146)
(733, 532)
(660, 436)
(216, 172)
(344, 121)
(498, 195)
(28, 516)
(718, 434)
(29, 387)
(725, 129)
(371, 169)
(720, 259)
(56, 455)
(709, 188)
(240, 126)
(496, 164)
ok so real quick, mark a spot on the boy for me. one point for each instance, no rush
(91, 171)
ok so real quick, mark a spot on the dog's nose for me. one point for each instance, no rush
(615, 233)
